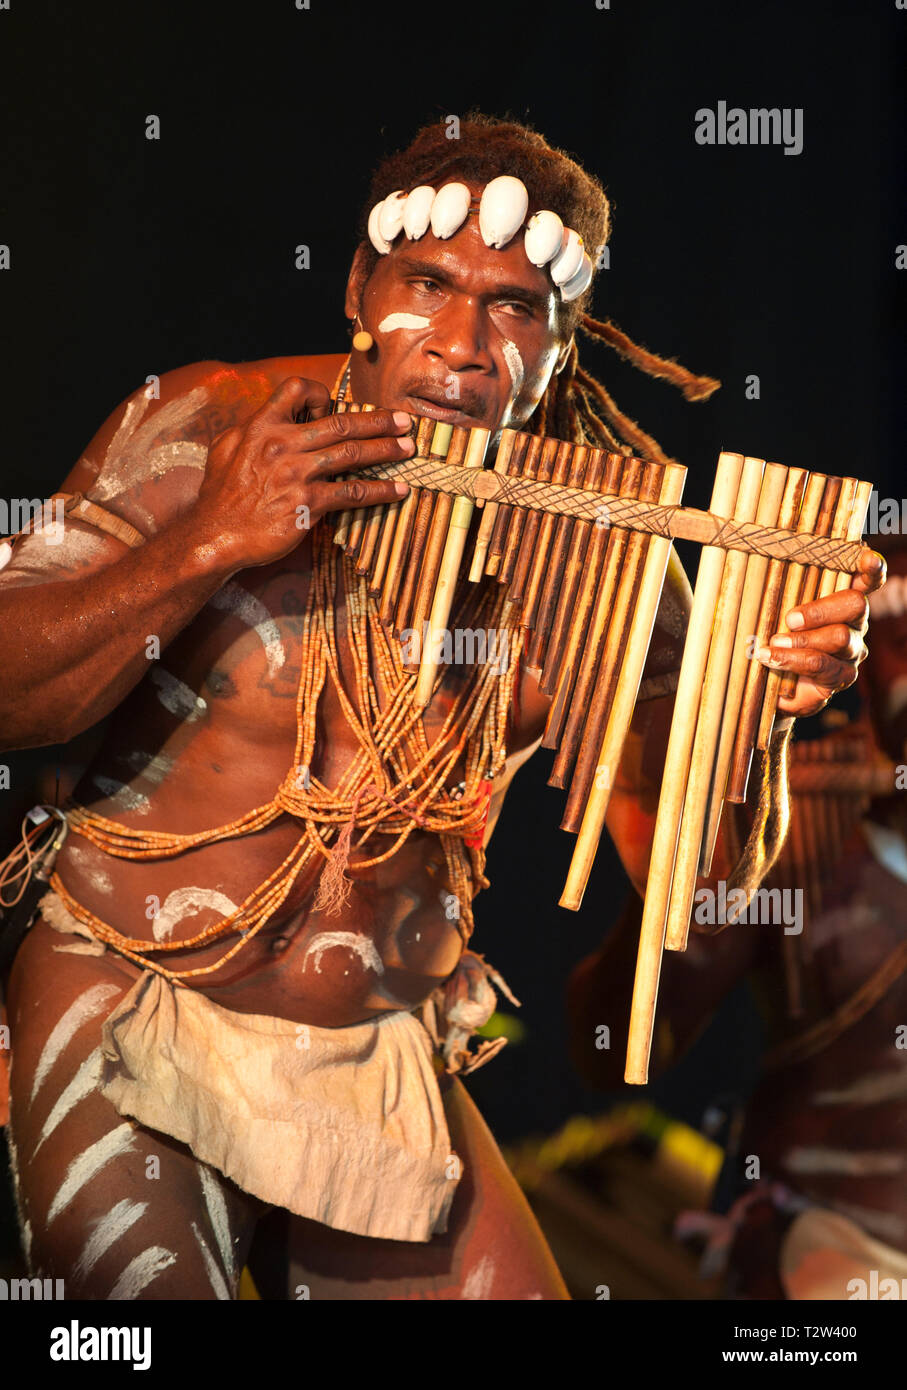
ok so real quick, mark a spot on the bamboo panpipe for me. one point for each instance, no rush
(582, 539)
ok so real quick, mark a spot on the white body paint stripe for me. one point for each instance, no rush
(176, 697)
(217, 1214)
(478, 1282)
(118, 791)
(139, 1273)
(217, 1279)
(362, 946)
(153, 768)
(856, 1163)
(233, 598)
(106, 1232)
(81, 1085)
(82, 1169)
(189, 902)
(88, 1005)
(867, 1090)
(130, 458)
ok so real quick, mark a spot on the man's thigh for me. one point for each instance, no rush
(112, 1208)
(493, 1247)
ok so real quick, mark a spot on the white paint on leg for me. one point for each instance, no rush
(362, 946)
(106, 1232)
(139, 1273)
(82, 1084)
(218, 1282)
(478, 1282)
(176, 697)
(87, 1006)
(217, 1215)
(395, 321)
(233, 598)
(189, 902)
(83, 1168)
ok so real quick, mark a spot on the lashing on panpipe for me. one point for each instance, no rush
(582, 538)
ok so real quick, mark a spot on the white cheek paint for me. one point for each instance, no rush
(130, 460)
(83, 1083)
(176, 697)
(233, 598)
(107, 1232)
(217, 1214)
(124, 796)
(82, 1169)
(139, 1273)
(189, 902)
(514, 364)
(87, 1006)
(478, 1282)
(217, 1280)
(99, 880)
(394, 321)
(362, 946)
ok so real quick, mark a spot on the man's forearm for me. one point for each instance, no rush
(71, 651)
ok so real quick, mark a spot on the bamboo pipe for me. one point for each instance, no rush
(490, 513)
(673, 787)
(559, 576)
(460, 517)
(437, 449)
(624, 703)
(711, 712)
(771, 499)
(402, 526)
(505, 510)
(437, 535)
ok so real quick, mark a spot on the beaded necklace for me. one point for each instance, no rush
(396, 782)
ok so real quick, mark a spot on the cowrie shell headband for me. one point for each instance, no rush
(502, 212)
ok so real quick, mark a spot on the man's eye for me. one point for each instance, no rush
(516, 307)
(424, 282)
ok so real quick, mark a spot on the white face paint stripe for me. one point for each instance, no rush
(189, 902)
(514, 364)
(176, 697)
(217, 1279)
(82, 1169)
(233, 598)
(139, 1273)
(87, 1006)
(394, 321)
(362, 946)
(106, 1232)
(478, 1282)
(81, 1085)
(124, 796)
(217, 1214)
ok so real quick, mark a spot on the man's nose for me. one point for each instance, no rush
(460, 336)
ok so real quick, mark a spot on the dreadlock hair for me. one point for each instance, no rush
(575, 405)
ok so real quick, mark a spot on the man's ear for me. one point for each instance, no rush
(356, 282)
(562, 356)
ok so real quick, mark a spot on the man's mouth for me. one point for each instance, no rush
(437, 405)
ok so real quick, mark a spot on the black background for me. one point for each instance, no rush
(131, 257)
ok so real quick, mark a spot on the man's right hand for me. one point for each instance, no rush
(270, 479)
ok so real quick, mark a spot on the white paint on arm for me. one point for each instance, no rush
(131, 460)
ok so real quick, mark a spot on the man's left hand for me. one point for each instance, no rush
(825, 644)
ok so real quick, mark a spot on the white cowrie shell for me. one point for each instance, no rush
(544, 237)
(574, 287)
(417, 212)
(502, 210)
(450, 209)
(569, 259)
(390, 219)
(374, 236)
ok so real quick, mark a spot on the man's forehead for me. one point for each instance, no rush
(464, 258)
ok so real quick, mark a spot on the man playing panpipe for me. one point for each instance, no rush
(271, 861)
